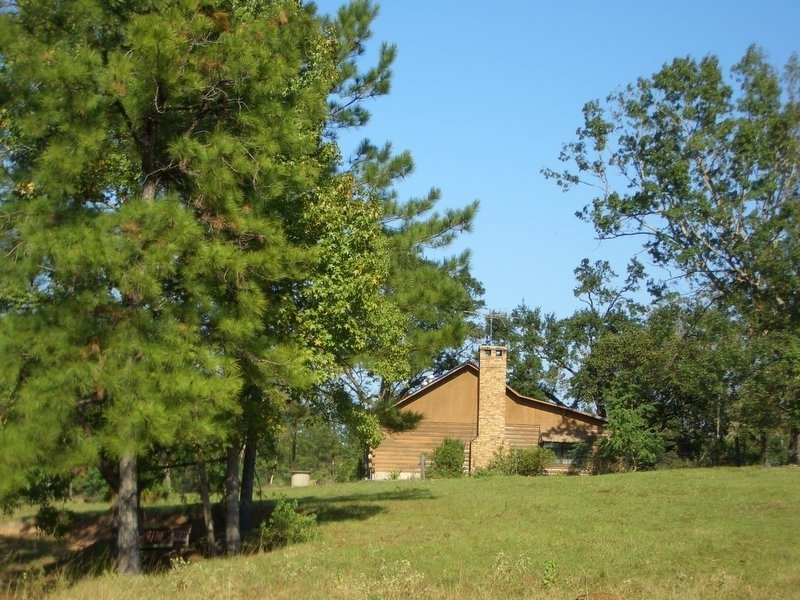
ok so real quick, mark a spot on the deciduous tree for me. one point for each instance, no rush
(705, 168)
(550, 355)
(435, 297)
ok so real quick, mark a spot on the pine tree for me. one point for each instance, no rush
(158, 160)
(182, 248)
(436, 297)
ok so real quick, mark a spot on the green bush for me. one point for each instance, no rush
(631, 441)
(448, 460)
(580, 455)
(483, 472)
(92, 486)
(534, 461)
(521, 461)
(54, 521)
(287, 525)
(601, 463)
(673, 460)
(632, 451)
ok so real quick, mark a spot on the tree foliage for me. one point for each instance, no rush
(434, 297)
(528, 462)
(447, 459)
(705, 172)
(550, 355)
(181, 243)
(704, 168)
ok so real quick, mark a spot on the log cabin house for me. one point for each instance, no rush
(474, 404)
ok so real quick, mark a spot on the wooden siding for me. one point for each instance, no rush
(401, 451)
(555, 423)
(523, 435)
(453, 399)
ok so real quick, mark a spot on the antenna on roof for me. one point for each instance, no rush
(490, 318)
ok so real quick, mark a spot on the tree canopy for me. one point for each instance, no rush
(703, 166)
(182, 243)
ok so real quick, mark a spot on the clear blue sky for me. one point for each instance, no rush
(485, 93)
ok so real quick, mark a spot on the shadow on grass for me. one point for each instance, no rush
(25, 550)
(21, 554)
(359, 506)
(88, 548)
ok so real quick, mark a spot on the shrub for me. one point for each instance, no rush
(92, 485)
(580, 456)
(483, 472)
(521, 461)
(287, 525)
(54, 521)
(602, 463)
(631, 440)
(633, 451)
(672, 460)
(534, 461)
(448, 460)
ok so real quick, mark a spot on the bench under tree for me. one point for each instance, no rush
(166, 539)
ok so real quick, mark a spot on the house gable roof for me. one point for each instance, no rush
(439, 381)
(473, 368)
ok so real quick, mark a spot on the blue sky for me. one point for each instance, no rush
(484, 95)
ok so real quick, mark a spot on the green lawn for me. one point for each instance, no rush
(700, 533)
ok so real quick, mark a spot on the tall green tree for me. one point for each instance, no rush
(354, 308)
(174, 229)
(349, 313)
(434, 297)
(673, 374)
(704, 167)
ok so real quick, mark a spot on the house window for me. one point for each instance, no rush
(562, 450)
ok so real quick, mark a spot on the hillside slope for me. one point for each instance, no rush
(702, 533)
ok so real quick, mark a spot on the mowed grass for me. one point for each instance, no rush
(700, 533)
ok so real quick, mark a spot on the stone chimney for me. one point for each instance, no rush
(491, 405)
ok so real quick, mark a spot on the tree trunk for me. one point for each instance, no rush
(762, 443)
(737, 450)
(109, 469)
(293, 455)
(129, 560)
(744, 447)
(149, 190)
(248, 483)
(205, 498)
(794, 441)
(168, 481)
(233, 538)
(600, 407)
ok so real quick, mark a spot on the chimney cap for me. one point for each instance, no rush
(492, 350)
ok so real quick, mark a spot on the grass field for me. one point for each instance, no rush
(699, 533)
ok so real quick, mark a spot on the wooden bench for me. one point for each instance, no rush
(166, 539)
